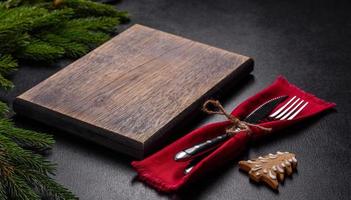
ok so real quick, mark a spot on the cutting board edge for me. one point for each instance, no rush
(112, 141)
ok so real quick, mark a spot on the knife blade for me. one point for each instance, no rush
(260, 113)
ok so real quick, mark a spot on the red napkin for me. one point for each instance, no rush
(164, 174)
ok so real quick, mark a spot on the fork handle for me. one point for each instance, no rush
(189, 152)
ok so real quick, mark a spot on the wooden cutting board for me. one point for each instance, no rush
(129, 92)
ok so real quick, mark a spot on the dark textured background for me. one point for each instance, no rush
(306, 41)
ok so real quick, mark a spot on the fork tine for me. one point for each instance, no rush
(298, 111)
(292, 110)
(286, 110)
(282, 108)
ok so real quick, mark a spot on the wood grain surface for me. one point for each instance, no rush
(129, 92)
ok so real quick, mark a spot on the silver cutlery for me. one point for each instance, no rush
(288, 111)
(260, 113)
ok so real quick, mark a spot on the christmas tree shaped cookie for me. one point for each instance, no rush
(270, 168)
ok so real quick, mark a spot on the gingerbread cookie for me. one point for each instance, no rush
(270, 168)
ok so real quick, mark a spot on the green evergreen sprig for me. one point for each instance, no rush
(42, 30)
(25, 174)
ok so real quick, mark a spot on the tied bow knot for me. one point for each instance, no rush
(237, 124)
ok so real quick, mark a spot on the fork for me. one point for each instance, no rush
(287, 112)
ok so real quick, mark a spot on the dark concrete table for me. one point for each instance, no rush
(306, 41)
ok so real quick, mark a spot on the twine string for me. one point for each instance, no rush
(237, 124)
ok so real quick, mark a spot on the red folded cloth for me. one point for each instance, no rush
(162, 172)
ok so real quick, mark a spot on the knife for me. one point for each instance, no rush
(260, 113)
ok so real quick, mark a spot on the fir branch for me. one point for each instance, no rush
(13, 42)
(17, 23)
(21, 157)
(46, 186)
(42, 31)
(6, 84)
(4, 109)
(7, 64)
(51, 19)
(3, 194)
(72, 49)
(123, 17)
(19, 189)
(83, 36)
(25, 175)
(84, 8)
(25, 138)
(41, 51)
(15, 187)
(14, 24)
(16, 20)
(105, 24)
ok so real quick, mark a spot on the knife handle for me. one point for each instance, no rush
(189, 152)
